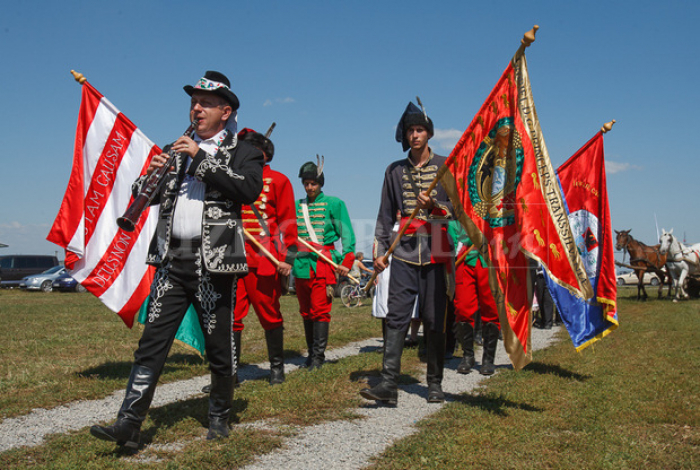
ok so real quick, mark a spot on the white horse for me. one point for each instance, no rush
(681, 260)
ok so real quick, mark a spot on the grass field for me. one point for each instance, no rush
(628, 402)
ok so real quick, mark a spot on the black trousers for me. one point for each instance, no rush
(428, 283)
(544, 300)
(182, 281)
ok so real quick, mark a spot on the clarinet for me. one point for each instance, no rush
(150, 188)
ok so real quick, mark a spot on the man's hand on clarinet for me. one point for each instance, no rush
(186, 145)
(157, 162)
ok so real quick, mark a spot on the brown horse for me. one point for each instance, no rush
(647, 258)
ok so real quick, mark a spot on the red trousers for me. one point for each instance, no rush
(314, 304)
(472, 293)
(263, 293)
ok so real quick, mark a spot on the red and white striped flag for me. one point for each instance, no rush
(110, 153)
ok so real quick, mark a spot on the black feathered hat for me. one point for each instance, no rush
(259, 141)
(217, 83)
(412, 116)
(312, 171)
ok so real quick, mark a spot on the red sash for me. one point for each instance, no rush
(440, 249)
(323, 269)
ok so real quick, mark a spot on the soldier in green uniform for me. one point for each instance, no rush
(321, 221)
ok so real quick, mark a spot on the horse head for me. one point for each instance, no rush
(666, 240)
(622, 239)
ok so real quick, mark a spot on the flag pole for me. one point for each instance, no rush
(326, 258)
(79, 77)
(525, 42)
(607, 126)
(401, 233)
(264, 250)
(463, 256)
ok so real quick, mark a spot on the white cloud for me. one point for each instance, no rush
(617, 167)
(447, 138)
(14, 225)
(286, 100)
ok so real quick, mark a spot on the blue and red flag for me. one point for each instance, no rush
(505, 193)
(583, 184)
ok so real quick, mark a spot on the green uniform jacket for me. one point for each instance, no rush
(459, 235)
(330, 221)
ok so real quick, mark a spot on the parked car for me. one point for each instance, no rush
(15, 267)
(65, 283)
(630, 278)
(43, 281)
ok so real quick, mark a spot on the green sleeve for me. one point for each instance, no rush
(342, 229)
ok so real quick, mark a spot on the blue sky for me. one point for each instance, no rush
(336, 76)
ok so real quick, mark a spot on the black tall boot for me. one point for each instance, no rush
(478, 327)
(320, 343)
(465, 335)
(435, 359)
(220, 403)
(387, 390)
(491, 331)
(126, 430)
(275, 352)
(309, 333)
(383, 333)
(237, 340)
(450, 335)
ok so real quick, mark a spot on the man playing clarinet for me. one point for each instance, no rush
(198, 249)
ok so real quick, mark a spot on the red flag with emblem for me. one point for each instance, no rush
(505, 192)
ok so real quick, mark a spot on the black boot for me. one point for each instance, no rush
(126, 430)
(465, 335)
(220, 403)
(435, 359)
(450, 335)
(383, 333)
(387, 390)
(320, 343)
(309, 333)
(237, 342)
(275, 352)
(491, 331)
(478, 337)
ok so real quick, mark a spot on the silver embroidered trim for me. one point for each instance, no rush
(207, 297)
(161, 284)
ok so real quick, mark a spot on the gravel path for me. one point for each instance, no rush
(348, 445)
(338, 445)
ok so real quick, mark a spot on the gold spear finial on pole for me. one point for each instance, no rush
(528, 38)
(607, 126)
(79, 77)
